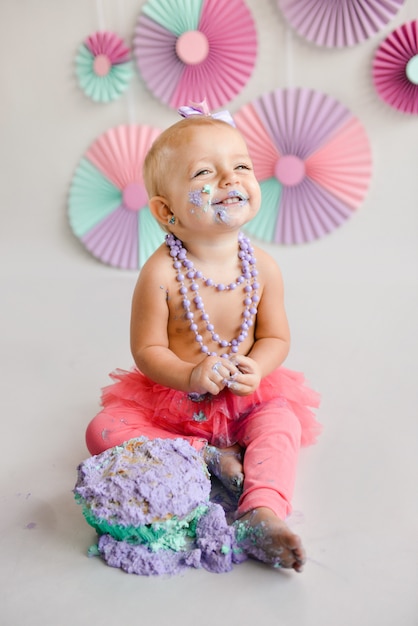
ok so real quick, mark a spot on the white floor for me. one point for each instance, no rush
(352, 300)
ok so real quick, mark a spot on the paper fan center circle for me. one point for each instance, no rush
(134, 196)
(102, 65)
(290, 170)
(411, 70)
(192, 47)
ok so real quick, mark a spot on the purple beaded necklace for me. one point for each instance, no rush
(185, 270)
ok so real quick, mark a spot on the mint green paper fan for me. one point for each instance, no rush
(92, 198)
(264, 223)
(103, 66)
(177, 16)
(149, 235)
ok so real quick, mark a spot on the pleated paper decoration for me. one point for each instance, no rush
(191, 50)
(108, 208)
(313, 160)
(338, 23)
(103, 66)
(395, 68)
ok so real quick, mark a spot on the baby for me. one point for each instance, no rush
(209, 334)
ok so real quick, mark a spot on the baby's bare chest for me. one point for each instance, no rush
(211, 319)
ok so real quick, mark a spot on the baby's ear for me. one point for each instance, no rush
(159, 208)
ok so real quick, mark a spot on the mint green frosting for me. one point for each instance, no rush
(171, 534)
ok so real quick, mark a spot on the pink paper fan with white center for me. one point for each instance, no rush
(395, 68)
(338, 23)
(191, 50)
(103, 66)
(108, 203)
(312, 158)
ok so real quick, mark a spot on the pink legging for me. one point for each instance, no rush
(270, 435)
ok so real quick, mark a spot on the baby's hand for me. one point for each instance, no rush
(248, 377)
(213, 374)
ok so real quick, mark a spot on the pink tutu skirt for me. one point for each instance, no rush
(211, 417)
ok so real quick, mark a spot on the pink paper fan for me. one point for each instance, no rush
(103, 66)
(109, 45)
(395, 68)
(338, 23)
(108, 208)
(312, 158)
(191, 50)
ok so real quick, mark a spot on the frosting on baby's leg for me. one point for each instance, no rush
(226, 465)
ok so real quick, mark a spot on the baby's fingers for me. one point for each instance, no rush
(225, 370)
(245, 364)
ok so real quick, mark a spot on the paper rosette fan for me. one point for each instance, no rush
(395, 68)
(338, 23)
(313, 160)
(103, 66)
(108, 208)
(190, 50)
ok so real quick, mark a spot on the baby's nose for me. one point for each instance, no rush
(229, 178)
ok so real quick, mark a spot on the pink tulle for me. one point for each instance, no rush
(177, 412)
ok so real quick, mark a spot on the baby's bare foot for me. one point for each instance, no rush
(226, 464)
(263, 535)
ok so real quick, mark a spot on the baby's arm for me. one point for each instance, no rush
(150, 341)
(272, 335)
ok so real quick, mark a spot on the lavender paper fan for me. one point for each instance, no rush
(313, 160)
(108, 208)
(103, 66)
(338, 23)
(191, 50)
(395, 68)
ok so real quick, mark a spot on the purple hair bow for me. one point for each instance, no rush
(201, 108)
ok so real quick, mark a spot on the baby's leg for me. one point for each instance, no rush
(226, 465)
(116, 424)
(271, 436)
(263, 535)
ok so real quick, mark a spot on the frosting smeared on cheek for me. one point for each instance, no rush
(197, 199)
(221, 215)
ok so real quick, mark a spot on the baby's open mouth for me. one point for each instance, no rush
(234, 197)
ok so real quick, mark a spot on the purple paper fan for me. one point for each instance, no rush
(338, 23)
(313, 159)
(194, 54)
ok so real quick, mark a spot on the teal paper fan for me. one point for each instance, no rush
(103, 66)
(108, 204)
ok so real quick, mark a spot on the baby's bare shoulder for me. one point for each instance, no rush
(158, 266)
(266, 264)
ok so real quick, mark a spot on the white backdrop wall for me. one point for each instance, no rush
(351, 299)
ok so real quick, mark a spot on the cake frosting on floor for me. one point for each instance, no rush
(149, 503)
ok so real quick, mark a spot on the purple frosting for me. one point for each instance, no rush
(143, 481)
(217, 541)
(213, 548)
(141, 560)
(148, 483)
